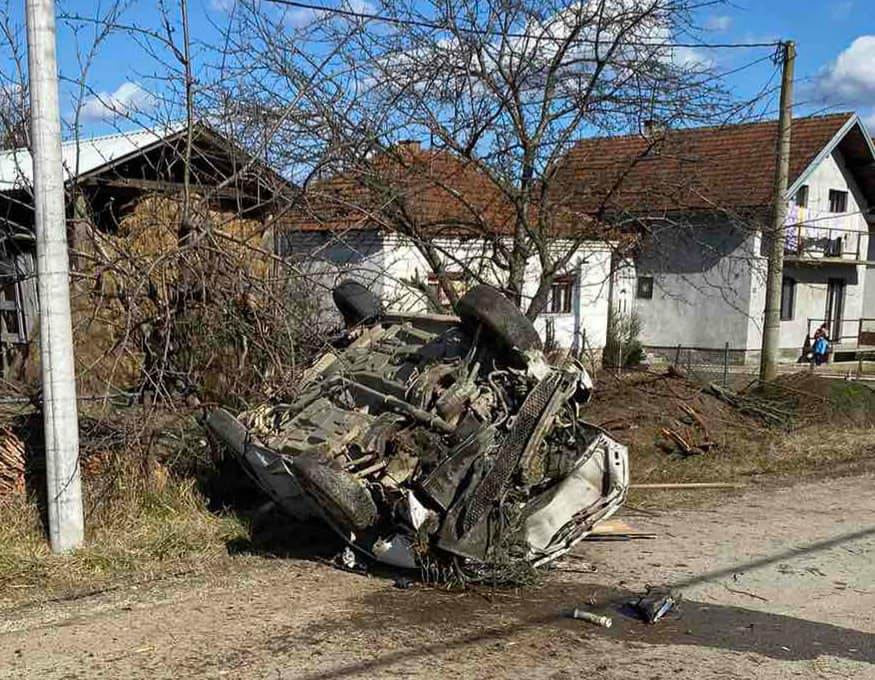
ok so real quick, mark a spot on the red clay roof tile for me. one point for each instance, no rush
(730, 167)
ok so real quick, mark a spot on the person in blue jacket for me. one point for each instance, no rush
(820, 347)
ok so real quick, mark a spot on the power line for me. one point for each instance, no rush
(422, 23)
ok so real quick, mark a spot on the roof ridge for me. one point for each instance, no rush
(159, 132)
(727, 126)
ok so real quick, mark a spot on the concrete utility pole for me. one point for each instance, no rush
(60, 415)
(775, 271)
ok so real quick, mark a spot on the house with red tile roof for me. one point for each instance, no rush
(701, 199)
(410, 212)
(696, 200)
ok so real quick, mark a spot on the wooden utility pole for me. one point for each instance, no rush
(775, 271)
(60, 414)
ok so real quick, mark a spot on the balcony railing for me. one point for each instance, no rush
(859, 332)
(815, 235)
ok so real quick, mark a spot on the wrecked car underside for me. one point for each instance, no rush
(440, 443)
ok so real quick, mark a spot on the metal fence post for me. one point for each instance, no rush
(619, 358)
(726, 365)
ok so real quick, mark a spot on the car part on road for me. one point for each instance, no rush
(448, 445)
(656, 603)
(595, 619)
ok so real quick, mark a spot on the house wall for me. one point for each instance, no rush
(812, 278)
(390, 264)
(702, 285)
(585, 325)
(869, 293)
(325, 258)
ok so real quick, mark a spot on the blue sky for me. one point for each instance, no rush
(835, 41)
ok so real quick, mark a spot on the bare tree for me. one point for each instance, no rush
(505, 88)
(14, 100)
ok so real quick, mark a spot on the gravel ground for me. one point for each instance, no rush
(777, 582)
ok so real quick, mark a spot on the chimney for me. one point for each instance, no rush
(652, 128)
(409, 145)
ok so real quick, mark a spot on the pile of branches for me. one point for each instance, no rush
(776, 411)
(690, 434)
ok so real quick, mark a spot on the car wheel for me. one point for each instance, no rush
(486, 307)
(338, 493)
(356, 303)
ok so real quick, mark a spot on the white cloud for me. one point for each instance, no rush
(718, 23)
(129, 98)
(691, 58)
(850, 79)
(870, 121)
(300, 17)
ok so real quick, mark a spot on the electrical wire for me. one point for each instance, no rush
(470, 30)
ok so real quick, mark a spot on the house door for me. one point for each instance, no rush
(835, 308)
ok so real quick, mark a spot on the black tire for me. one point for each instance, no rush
(339, 494)
(356, 303)
(500, 318)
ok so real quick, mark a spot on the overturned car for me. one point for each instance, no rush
(437, 442)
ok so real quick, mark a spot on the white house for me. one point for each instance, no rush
(701, 199)
(432, 211)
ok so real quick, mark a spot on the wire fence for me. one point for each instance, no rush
(723, 367)
(728, 368)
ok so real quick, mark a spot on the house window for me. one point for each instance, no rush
(561, 295)
(788, 298)
(12, 328)
(644, 288)
(838, 201)
(801, 198)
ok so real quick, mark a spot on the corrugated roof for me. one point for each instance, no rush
(729, 167)
(82, 157)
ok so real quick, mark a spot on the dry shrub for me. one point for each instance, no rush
(215, 314)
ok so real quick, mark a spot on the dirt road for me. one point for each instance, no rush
(778, 583)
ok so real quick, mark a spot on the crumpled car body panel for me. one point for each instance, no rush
(431, 447)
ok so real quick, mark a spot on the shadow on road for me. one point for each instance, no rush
(427, 615)
(807, 549)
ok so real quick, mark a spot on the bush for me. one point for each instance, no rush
(623, 346)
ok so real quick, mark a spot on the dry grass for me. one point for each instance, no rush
(135, 531)
(801, 452)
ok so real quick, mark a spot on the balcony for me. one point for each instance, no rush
(850, 332)
(817, 237)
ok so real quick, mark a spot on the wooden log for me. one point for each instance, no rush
(689, 485)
